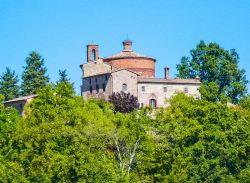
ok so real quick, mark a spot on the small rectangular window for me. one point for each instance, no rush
(90, 89)
(142, 105)
(124, 87)
(97, 88)
(165, 89)
(185, 90)
(103, 87)
(143, 88)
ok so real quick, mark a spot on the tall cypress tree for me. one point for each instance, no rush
(34, 75)
(9, 84)
(63, 76)
(65, 80)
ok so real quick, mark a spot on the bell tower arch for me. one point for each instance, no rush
(92, 52)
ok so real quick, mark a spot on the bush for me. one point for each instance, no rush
(124, 102)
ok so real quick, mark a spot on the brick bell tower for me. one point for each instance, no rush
(92, 52)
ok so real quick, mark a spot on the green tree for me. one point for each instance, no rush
(245, 102)
(9, 84)
(63, 76)
(65, 139)
(10, 170)
(64, 79)
(201, 141)
(214, 64)
(34, 75)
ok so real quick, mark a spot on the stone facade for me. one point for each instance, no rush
(134, 73)
(19, 103)
(161, 91)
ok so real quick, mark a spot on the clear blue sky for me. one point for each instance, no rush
(163, 29)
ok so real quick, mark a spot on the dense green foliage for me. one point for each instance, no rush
(62, 138)
(63, 76)
(124, 102)
(34, 75)
(9, 84)
(218, 70)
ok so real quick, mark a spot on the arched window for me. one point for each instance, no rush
(153, 103)
(124, 87)
(93, 55)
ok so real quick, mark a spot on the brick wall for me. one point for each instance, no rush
(143, 66)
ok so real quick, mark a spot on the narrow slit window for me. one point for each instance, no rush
(103, 87)
(90, 89)
(93, 55)
(97, 88)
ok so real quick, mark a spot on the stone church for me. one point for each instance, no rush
(131, 72)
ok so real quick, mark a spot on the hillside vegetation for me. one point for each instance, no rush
(62, 138)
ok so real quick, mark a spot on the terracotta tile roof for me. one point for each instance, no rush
(127, 54)
(170, 81)
(20, 98)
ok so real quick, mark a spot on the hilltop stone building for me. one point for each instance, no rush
(19, 103)
(131, 72)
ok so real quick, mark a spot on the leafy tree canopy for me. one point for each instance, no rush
(63, 138)
(9, 84)
(214, 64)
(34, 75)
(201, 141)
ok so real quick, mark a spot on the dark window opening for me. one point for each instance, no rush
(124, 87)
(90, 90)
(103, 87)
(185, 90)
(143, 88)
(153, 103)
(21, 106)
(165, 89)
(97, 88)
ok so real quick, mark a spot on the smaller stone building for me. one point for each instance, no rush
(131, 72)
(19, 103)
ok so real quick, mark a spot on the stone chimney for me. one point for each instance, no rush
(166, 69)
(92, 52)
(127, 45)
(197, 78)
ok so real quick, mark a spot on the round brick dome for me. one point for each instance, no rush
(128, 59)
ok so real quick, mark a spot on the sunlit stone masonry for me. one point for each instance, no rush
(131, 72)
